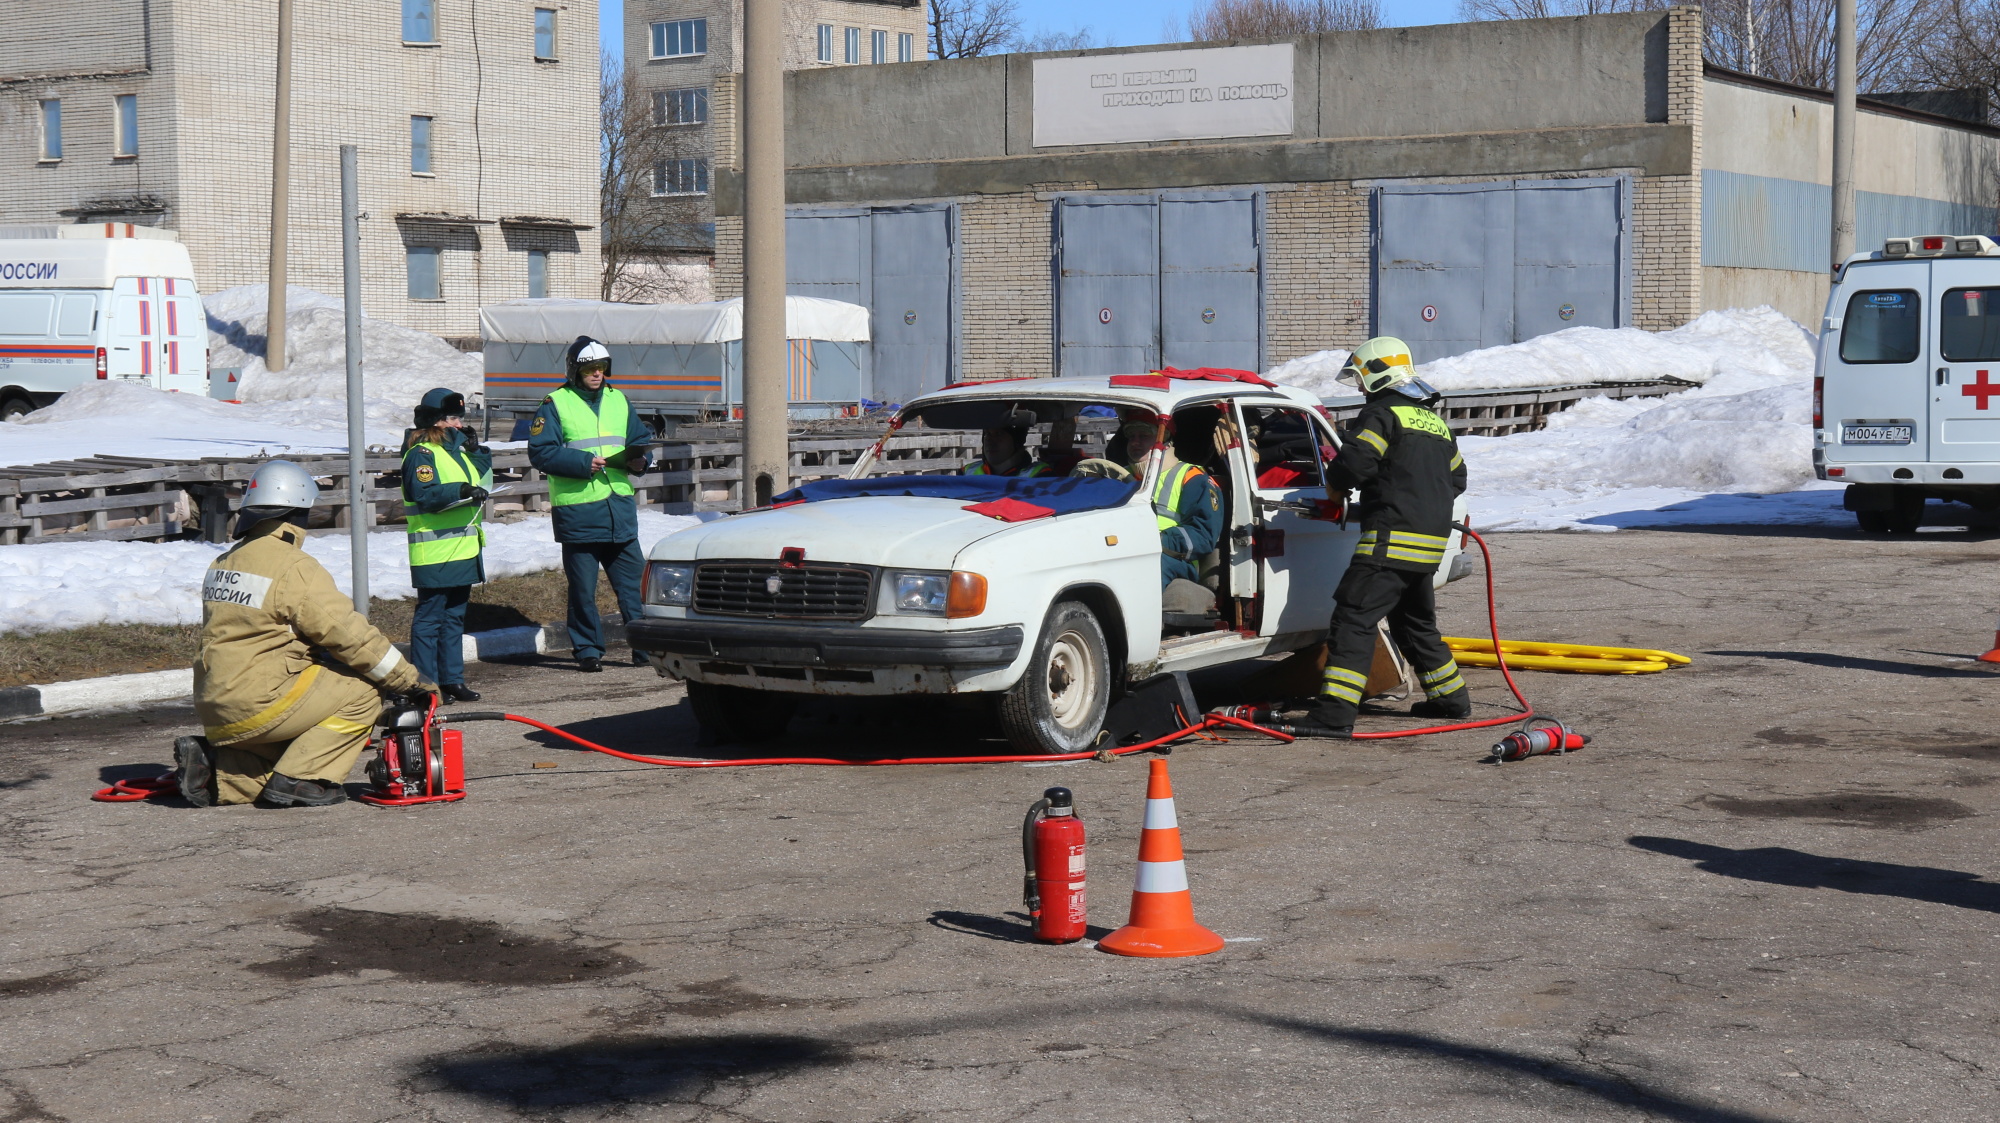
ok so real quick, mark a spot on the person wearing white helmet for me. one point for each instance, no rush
(583, 438)
(1402, 459)
(289, 679)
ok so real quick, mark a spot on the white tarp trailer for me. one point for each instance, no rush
(99, 301)
(675, 362)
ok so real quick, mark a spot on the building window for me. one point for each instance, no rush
(825, 53)
(680, 38)
(422, 262)
(853, 44)
(538, 274)
(545, 34)
(680, 177)
(52, 129)
(906, 47)
(420, 21)
(420, 146)
(128, 125)
(878, 46)
(681, 107)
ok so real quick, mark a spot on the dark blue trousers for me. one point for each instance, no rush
(623, 563)
(437, 634)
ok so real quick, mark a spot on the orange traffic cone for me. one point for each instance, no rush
(1993, 656)
(1162, 924)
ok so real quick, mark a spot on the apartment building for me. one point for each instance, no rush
(475, 120)
(679, 48)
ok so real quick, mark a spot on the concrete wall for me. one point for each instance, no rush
(513, 137)
(1802, 296)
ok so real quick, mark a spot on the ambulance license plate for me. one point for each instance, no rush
(1875, 434)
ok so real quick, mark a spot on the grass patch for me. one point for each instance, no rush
(120, 649)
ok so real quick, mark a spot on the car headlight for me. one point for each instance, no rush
(919, 593)
(669, 583)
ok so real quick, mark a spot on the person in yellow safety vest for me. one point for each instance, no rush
(1186, 504)
(289, 679)
(446, 476)
(583, 438)
(1402, 458)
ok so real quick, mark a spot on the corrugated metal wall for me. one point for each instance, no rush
(1761, 222)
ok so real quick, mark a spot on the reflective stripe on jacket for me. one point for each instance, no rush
(1167, 495)
(1407, 467)
(445, 536)
(593, 432)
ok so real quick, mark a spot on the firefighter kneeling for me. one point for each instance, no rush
(289, 681)
(1402, 458)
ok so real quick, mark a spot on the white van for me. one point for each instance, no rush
(107, 300)
(1906, 397)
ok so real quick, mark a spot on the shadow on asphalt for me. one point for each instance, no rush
(1778, 865)
(1014, 927)
(1857, 663)
(679, 1069)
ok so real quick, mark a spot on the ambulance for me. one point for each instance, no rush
(92, 303)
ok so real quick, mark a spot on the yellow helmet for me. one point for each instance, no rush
(1382, 363)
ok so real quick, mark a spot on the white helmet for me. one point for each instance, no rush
(278, 487)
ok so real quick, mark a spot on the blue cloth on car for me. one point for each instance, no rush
(1061, 494)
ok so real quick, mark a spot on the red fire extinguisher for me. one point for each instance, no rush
(1052, 845)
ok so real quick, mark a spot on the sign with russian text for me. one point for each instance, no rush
(1198, 94)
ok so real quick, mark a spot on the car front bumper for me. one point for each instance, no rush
(786, 644)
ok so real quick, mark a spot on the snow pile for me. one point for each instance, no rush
(1761, 340)
(57, 585)
(398, 364)
(1598, 465)
(130, 419)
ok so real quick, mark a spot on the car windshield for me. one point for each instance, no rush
(1002, 437)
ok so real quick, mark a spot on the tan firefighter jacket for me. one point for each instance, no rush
(270, 616)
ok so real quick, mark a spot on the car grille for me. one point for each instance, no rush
(805, 592)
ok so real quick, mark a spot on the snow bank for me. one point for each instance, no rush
(56, 585)
(129, 419)
(1761, 339)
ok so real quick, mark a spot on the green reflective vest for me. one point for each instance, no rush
(1167, 495)
(599, 432)
(451, 535)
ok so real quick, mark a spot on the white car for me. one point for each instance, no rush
(864, 589)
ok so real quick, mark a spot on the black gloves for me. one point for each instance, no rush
(468, 491)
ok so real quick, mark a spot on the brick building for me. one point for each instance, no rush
(679, 48)
(476, 124)
(1242, 204)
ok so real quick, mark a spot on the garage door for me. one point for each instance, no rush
(1465, 266)
(1145, 281)
(897, 263)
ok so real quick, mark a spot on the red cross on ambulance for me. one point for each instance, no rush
(1981, 389)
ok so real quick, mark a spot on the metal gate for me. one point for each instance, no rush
(897, 263)
(1464, 266)
(1144, 281)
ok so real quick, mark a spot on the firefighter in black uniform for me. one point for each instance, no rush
(1401, 457)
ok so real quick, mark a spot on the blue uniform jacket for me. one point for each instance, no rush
(1200, 513)
(432, 497)
(615, 519)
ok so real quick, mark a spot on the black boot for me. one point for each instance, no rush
(283, 791)
(1455, 706)
(194, 767)
(1326, 717)
(459, 692)
(589, 664)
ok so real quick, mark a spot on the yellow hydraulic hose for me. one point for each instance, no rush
(1575, 658)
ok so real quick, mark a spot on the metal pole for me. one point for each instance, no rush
(766, 452)
(359, 513)
(1843, 132)
(281, 194)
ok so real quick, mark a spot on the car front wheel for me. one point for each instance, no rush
(1059, 704)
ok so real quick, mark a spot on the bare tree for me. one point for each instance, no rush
(1264, 19)
(1080, 39)
(656, 172)
(1544, 9)
(972, 28)
(1963, 52)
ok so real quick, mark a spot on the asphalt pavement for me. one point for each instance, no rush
(1764, 892)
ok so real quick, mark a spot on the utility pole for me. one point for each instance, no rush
(360, 514)
(766, 449)
(1843, 131)
(281, 194)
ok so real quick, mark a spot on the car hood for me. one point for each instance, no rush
(905, 531)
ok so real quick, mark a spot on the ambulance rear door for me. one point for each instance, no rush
(1965, 359)
(183, 344)
(1878, 381)
(135, 330)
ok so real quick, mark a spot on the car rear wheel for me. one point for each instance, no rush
(1059, 704)
(1873, 522)
(738, 714)
(14, 409)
